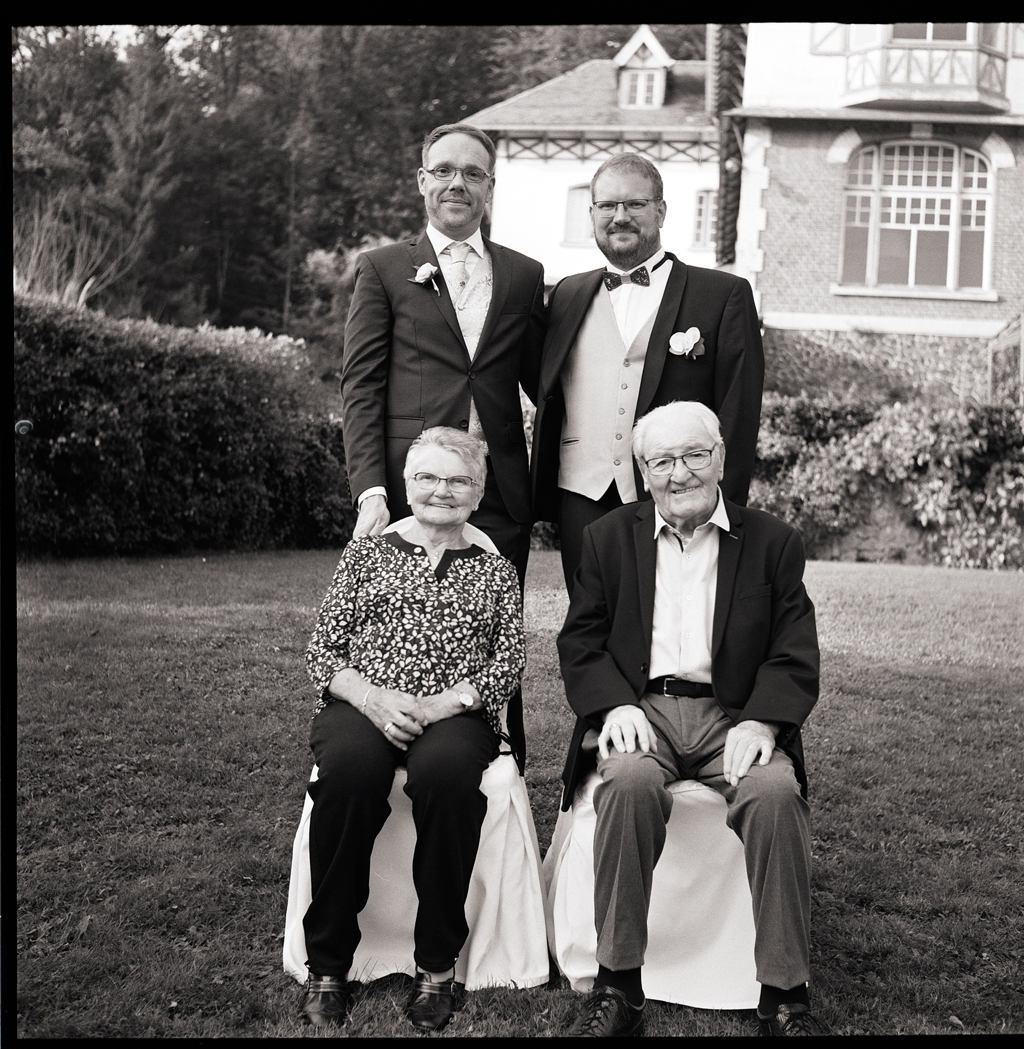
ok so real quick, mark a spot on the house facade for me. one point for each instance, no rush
(553, 137)
(882, 184)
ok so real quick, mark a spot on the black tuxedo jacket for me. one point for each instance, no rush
(728, 378)
(405, 367)
(764, 650)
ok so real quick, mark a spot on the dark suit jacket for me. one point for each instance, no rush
(764, 647)
(728, 378)
(405, 367)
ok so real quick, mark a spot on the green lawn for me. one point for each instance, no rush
(162, 759)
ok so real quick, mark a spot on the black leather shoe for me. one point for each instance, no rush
(790, 1019)
(431, 1005)
(607, 1014)
(326, 1000)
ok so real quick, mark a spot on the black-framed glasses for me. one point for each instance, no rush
(665, 464)
(457, 485)
(445, 173)
(634, 207)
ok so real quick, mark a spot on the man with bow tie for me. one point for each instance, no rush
(643, 332)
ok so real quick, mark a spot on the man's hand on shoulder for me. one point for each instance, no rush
(626, 727)
(373, 517)
(746, 742)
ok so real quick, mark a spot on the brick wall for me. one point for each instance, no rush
(801, 240)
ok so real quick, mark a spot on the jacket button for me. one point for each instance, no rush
(464, 424)
(472, 375)
(643, 668)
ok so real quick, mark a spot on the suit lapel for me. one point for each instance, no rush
(501, 282)
(564, 332)
(657, 345)
(646, 567)
(422, 251)
(730, 544)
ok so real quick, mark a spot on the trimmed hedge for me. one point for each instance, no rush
(958, 473)
(148, 438)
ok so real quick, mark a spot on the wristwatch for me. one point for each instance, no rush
(465, 699)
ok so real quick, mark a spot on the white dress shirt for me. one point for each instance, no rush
(633, 303)
(441, 242)
(684, 597)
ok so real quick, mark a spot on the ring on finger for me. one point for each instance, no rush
(389, 726)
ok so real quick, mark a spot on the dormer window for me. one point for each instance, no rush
(641, 87)
(643, 68)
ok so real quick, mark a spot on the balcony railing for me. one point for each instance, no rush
(945, 78)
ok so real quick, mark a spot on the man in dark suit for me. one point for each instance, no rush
(441, 331)
(690, 651)
(644, 331)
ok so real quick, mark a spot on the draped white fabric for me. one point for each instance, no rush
(507, 943)
(701, 927)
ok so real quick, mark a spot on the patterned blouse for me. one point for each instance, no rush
(406, 626)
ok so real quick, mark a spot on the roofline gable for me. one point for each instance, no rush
(644, 35)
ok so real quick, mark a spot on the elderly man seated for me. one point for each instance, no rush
(690, 651)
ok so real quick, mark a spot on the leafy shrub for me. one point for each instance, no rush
(958, 472)
(150, 438)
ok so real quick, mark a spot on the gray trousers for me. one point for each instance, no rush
(766, 810)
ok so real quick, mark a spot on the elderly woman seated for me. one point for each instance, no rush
(418, 646)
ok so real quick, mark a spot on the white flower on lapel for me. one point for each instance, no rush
(423, 274)
(689, 343)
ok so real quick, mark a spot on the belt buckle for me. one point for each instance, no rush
(664, 685)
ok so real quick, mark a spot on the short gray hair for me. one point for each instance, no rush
(470, 449)
(680, 409)
(635, 164)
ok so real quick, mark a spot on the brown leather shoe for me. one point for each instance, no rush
(431, 1005)
(325, 1000)
(791, 1019)
(607, 1014)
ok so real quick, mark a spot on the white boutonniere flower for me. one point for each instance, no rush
(423, 274)
(689, 343)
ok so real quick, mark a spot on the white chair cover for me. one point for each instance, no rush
(507, 944)
(701, 927)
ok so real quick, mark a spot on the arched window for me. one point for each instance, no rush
(917, 215)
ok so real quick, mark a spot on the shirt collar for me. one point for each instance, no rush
(720, 517)
(649, 263)
(440, 241)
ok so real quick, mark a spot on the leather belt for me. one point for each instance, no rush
(677, 686)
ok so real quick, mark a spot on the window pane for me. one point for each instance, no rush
(578, 227)
(932, 255)
(634, 81)
(972, 252)
(949, 31)
(855, 255)
(910, 31)
(894, 256)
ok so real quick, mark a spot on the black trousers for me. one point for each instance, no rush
(512, 538)
(356, 770)
(575, 512)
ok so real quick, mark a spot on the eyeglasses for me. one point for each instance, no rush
(665, 464)
(456, 485)
(444, 173)
(634, 207)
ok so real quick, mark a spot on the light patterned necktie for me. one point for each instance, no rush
(458, 274)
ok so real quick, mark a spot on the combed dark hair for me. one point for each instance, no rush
(635, 164)
(459, 129)
(470, 449)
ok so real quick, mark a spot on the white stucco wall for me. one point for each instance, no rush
(781, 71)
(528, 212)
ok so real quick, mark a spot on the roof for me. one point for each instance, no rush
(587, 99)
(852, 114)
